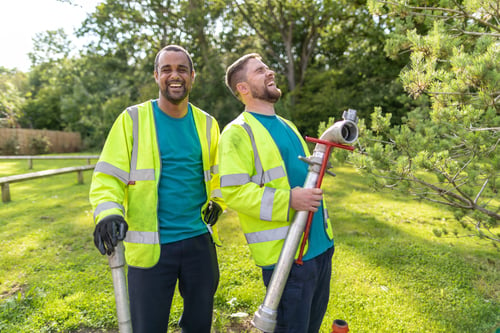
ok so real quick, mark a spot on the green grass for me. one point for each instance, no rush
(391, 272)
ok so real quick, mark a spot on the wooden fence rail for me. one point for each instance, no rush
(30, 158)
(5, 181)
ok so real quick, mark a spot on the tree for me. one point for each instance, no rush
(12, 91)
(72, 93)
(351, 70)
(134, 31)
(446, 153)
(48, 80)
(50, 46)
(42, 108)
(327, 55)
(288, 30)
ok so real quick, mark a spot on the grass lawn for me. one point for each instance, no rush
(392, 273)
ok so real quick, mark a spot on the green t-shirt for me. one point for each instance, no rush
(290, 148)
(181, 191)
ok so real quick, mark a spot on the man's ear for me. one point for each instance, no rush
(193, 76)
(242, 88)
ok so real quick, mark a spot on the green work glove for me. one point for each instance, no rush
(108, 232)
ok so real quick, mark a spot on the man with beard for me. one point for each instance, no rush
(261, 179)
(156, 187)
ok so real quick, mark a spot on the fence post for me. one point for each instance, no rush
(30, 163)
(80, 177)
(5, 192)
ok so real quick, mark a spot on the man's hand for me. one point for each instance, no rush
(212, 213)
(308, 199)
(108, 232)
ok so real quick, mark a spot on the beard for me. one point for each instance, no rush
(176, 98)
(266, 94)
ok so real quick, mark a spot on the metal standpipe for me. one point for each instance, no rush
(340, 133)
(116, 262)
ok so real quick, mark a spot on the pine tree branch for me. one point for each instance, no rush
(460, 13)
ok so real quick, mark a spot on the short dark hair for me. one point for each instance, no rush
(235, 73)
(175, 48)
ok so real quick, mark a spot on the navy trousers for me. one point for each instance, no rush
(305, 297)
(192, 262)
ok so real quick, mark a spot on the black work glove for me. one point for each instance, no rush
(108, 232)
(212, 213)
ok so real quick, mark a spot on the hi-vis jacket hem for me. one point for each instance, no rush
(254, 183)
(126, 177)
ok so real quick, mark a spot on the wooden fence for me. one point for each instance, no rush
(30, 158)
(60, 142)
(6, 181)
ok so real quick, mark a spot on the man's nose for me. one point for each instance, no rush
(174, 74)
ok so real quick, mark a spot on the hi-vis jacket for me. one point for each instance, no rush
(254, 183)
(126, 177)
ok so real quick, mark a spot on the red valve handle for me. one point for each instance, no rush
(329, 145)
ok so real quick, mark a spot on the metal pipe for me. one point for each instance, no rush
(116, 262)
(345, 131)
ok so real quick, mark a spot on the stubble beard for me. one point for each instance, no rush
(271, 96)
(174, 99)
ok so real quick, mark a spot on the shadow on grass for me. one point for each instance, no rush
(395, 261)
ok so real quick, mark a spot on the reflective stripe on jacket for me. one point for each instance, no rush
(255, 184)
(126, 177)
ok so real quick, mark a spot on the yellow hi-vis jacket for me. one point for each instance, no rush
(254, 183)
(126, 177)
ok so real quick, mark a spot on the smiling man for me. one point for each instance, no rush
(261, 179)
(156, 187)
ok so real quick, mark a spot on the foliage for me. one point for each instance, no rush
(74, 94)
(350, 70)
(39, 144)
(446, 153)
(50, 46)
(322, 51)
(12, 86)
(48, 82)
(10, 146)
(148, 26)
(289, 31)
(387, 263)
(326, 55)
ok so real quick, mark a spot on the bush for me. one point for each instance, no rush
(39, 144)
(10, 146)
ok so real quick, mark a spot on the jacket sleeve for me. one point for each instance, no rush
(237, 166)
(111, 174)
(215, 193)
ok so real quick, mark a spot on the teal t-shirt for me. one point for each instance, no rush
(181, 191)
(290, 148)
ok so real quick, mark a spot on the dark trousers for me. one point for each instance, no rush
(193, 262)
(305, 297)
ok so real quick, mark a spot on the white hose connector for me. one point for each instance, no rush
(345, 131)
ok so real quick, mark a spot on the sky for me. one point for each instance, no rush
(21, 20)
